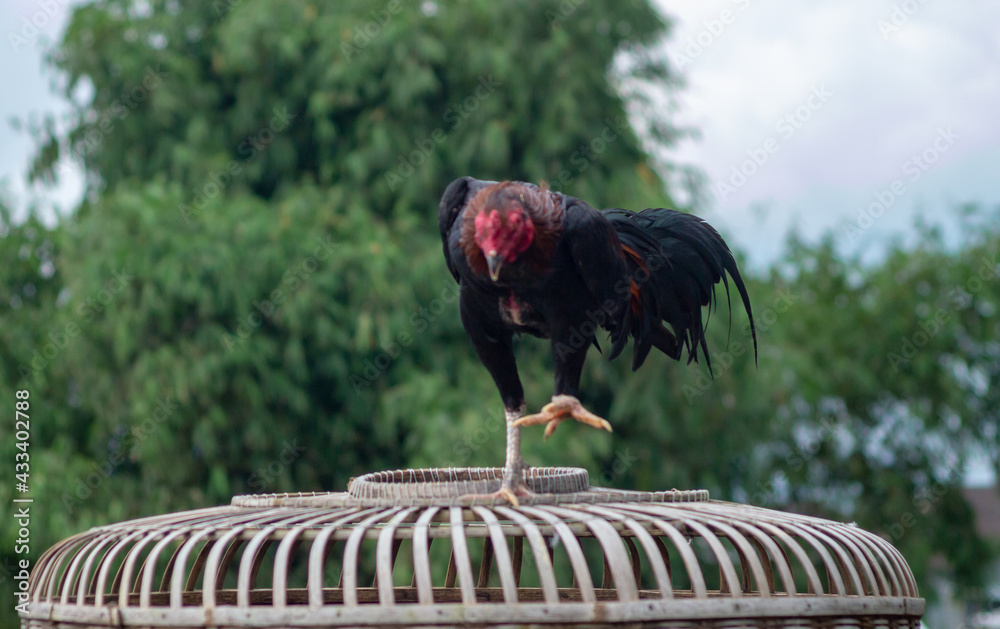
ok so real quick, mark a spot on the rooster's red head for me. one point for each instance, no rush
(503, 227)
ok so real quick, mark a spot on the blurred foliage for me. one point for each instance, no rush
(252, 296)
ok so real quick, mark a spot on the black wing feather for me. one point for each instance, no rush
(597, 255)
(684, 258)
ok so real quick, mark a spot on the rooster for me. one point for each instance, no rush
(531, 260)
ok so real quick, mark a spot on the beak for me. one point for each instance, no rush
(495, 263)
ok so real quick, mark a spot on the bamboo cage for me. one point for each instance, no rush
(410, 548)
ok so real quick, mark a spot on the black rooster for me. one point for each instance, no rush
(528, 259)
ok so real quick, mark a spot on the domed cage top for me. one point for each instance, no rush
(595, 557)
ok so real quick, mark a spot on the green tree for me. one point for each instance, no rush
(259, 301)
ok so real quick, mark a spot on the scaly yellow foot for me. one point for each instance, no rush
(561, 408)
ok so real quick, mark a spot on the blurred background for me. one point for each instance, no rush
(220, 271)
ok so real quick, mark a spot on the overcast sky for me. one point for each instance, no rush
(28, 92)
(849, 97)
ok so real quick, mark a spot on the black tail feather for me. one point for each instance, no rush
(675, 260)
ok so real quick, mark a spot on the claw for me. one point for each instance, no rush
(560, 409)
(511, 495)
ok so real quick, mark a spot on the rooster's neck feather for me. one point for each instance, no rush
(545, 208)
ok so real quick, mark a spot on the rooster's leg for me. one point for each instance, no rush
(561, 408)
(495, 348)
(569, 356)
(513, 486)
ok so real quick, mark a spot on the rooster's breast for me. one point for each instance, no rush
(521, 313)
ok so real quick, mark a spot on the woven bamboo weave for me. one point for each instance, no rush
(388, 556)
